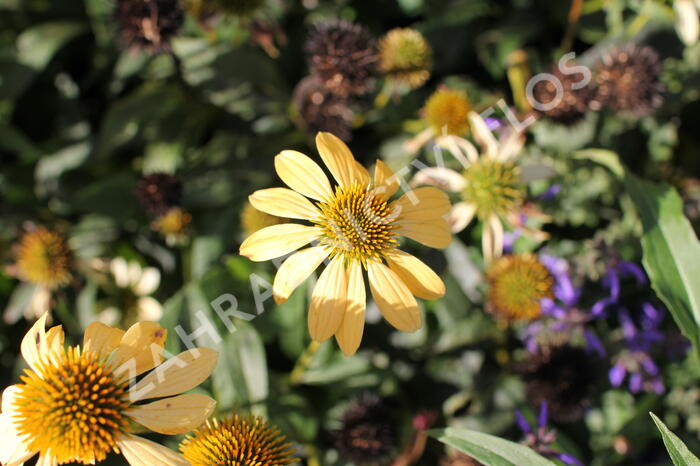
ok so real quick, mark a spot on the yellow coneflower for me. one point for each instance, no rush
(79, 404)
(253, 219)
(405, 57)
(357, 227)
(44, 258)
(173, 225)
(517, 285)
(237, 441)
(446, 112)
(489, 186)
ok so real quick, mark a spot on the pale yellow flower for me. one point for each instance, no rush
(490, 186)
(80, 404)
(357, 227)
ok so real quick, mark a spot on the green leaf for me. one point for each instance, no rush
(671, 252)
(37, 46)
(680, 455)
(488, 449)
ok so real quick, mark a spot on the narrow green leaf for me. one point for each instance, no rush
(671, 252)
(680, 455)
(488, 449)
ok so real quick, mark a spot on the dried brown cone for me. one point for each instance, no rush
(344, 56)
(320, 110)
(368, 436)
(629, 79)
(574, 100)
(563, 377)
(158, 193)
(149, 25)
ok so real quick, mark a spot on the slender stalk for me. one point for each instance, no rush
(303, 363)
(574, 16)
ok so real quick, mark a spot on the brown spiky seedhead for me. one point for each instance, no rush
(344, 55)
(628, 79)
(565, 97)
(158, 193)
(149, 25)
(320, 110)
(368, 436)
(563, 377)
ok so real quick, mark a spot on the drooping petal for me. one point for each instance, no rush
(339, 160)
(349, 335)
(512, 143)
(295, 269)
(101, 338)
(285, 203)
(13, 450)
(328, 301)
(440, 177)
(277, 240)
(176, 415)
(422, 204)
(419, 278)
(385, 180)
(460, 216)
(303, 175)
(483, 134)
(176, 375)
(148, 283)
(141, 452)
(394, 299)
(140, 349)
(34, 345)
(55, 338)
(434, 235)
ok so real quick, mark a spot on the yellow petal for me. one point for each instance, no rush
(385, 181)
(435, 235)
(284, 202)
(140, 349)
(277, 240)
(54, 340)
(295, 269)
(328, 301)
(339, 160)
(349, 334)
(175, 415)
(361, 174)
(34, 345)
(425, 203)
(141, 452)
(303, 175)
(394, 299)
(176, 375)
(101, 339)
(419, 278)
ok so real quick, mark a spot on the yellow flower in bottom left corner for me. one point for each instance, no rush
(78, 404)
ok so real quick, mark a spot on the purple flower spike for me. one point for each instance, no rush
(522, 422)
(617, 374)
(551, 193)
(542, 418)
(636, 382)
(568, 459)
(594, 343)
(632, 270)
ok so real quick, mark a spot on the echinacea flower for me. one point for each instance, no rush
(173, 225)
(405, 57)
(357, 227)
(44, 258)
(541, 438)
(368, 434)
(318, 109)
(78, 404)
(490, 184)
(149, 25)
(237, 441)
(565, 97)
(517, 286)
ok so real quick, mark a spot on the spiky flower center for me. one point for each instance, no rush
(446, 112)
(174, 222)
(357, 223)
(44, 258)
(73, 407)
(405, 56)
(493, 187)
(237, 441)
(517, 285)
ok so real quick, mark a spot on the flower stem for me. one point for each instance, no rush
(303, 363)
(574, 16)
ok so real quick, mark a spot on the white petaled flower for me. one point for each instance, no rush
(81, 403)
(490, 184)
(687, 21)
(136, 284)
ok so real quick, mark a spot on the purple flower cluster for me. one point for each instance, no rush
(541, 438)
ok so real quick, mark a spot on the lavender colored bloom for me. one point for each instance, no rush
(551, 193)
(616, 272)
(541, 438)
(493, 123)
